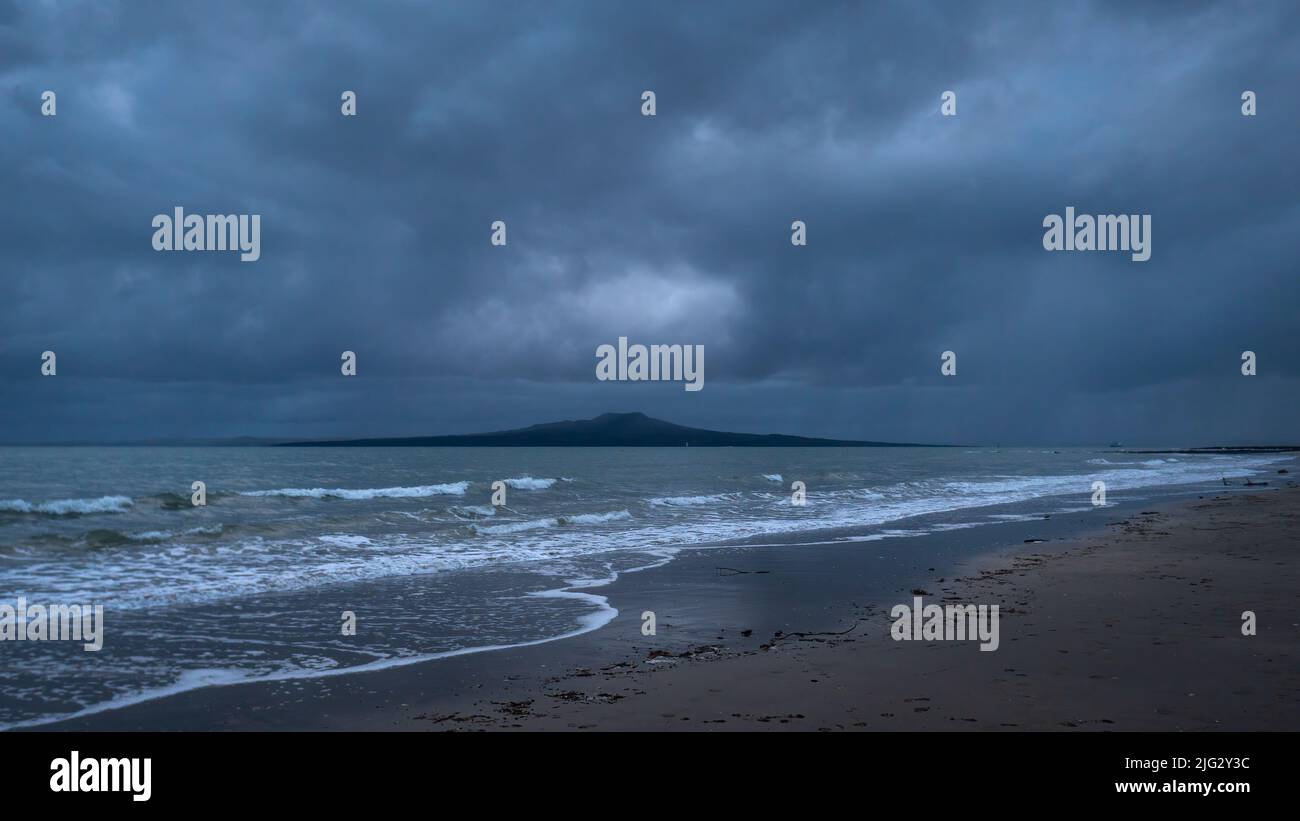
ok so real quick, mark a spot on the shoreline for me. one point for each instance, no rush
(715, 628)
(1112, 630)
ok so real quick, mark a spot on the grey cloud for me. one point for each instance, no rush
(924, 232)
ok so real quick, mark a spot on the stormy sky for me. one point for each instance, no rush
(924, 231)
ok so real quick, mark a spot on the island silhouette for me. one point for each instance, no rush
(606, 430)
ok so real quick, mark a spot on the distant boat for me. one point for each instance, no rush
(1117, 444)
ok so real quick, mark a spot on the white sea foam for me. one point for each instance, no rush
(419, 491)
(595, 518)
(553, 521)
(164, 535)
(514, 527)
(472, 511)
(691, 501)
(602, 613)
(69, 507)
(346, 540)
(529, 483)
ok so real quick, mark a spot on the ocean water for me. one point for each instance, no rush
(254, 584)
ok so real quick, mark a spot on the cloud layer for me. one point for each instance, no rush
(924, 232)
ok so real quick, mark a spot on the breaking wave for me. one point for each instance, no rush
(453, 488)
(68, 507)
(529, 483)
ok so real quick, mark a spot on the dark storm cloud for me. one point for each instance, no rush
(924, 231)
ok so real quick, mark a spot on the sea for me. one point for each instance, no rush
(258, 583)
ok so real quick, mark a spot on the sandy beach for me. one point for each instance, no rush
(1118, 619)
(1135, 628)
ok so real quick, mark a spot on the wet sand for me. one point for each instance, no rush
(1136, 628)
(1121, 619)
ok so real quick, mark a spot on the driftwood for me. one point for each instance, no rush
(779, 635)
